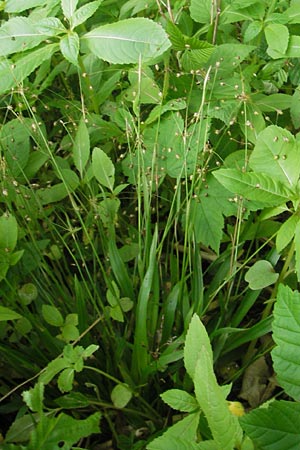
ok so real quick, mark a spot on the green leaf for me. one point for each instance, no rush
(65, 380)
(180, 400)
(295, 108)
(52, 315)
(69, 46)
(81, 147)
(69, 332)
(159, 110)
(261, 275)
(13, 73)
(224, 426)
(202, 11)
(8, 314)
(128, 41)
(52, 369)
(276, 153)
(15, 6)
(68, 7)
(34, 397)
(293, 50)
(103, 168)
(286, 334)
(286, 232)
(277, 37)
(297, 250)
(275, 427)
(121, 395)
(21, 428)
(82, 14)
(254, 186)
(8, 232)
(252, 30)
(208, 223)
(27, 293)
(196, 339)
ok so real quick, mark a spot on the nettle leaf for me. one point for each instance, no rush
(13, 73)
(286, 334)
(159, 110)
(261, 275)
(128, 41)
(227, 57)
(275, 427)
(69, 46)
(85, 12)
(103, 168)
(8, 232)
(180, 400)
(286, 232)
(143, 88)
(202, 11)
(15, 144)
(254, 186)
(68, 7)
(15, 6)
(277, 36)
(276, 153)
(81, 147)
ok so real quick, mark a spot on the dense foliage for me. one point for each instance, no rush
(149, 226)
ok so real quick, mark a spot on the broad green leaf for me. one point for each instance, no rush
(202, 11)
(15, 6)
(121, 395)
(8, 314)
(69, 46)
(27, 293)
(53, 368)
(8, 232)
(69, 332)
(252, 30)
(85, 12)
(261, 275)
(81, 147)
(208, 223)
(52, 315)
(286, 232)
(15, 145)
(297, 250)
(65, 380)
(19, 34)
(143, 89)
(59, 191)
(21, 428)
(275, 427)
(196, 339)
(286, 334)
(34, 397)
(128, 41)
(293, 50)
(180, 400)
(73, 400)
(159, 110)
(68, 7)
(224, 426)
(254, 186)
(273, 102)
(295, 108)
(13, 73)
(180, 436)
(276, 153)
(227, 57)
(277, 36)
(103, 168)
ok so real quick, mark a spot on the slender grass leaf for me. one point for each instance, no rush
(68, 7)
(276, 153)
(180, 400)
(8, 314)
(224, 426)
(275, 427)
(196, 339)
(69, 46)
(81, 147)
(13, 73)
(202, 11)
(128, 41)
(85, 12)
(261, 275)
(103, 168)
(286, 334)
(255, 186)
(119, 270)
(8, 232)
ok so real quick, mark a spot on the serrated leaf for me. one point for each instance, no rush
(254, 186)
(261, 275)
(286, 334)
(252, 30)
(121, 395)
(208, 223)
(180, 400)
(128, 41)
(52, 315)
(13, 73)
(103, 168)
(84, 12)
(286, 232)
(69, 46)
(68, 7)
(8, 314)
(175, 443)
(276, 153)
(202, 11)
(297, 249)
(196, 339)
(277, 36)
(34, 397)
(65, 380)
(52, 369)
(8, 233)
(81, 147)
(276, 427)
(15, 6)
